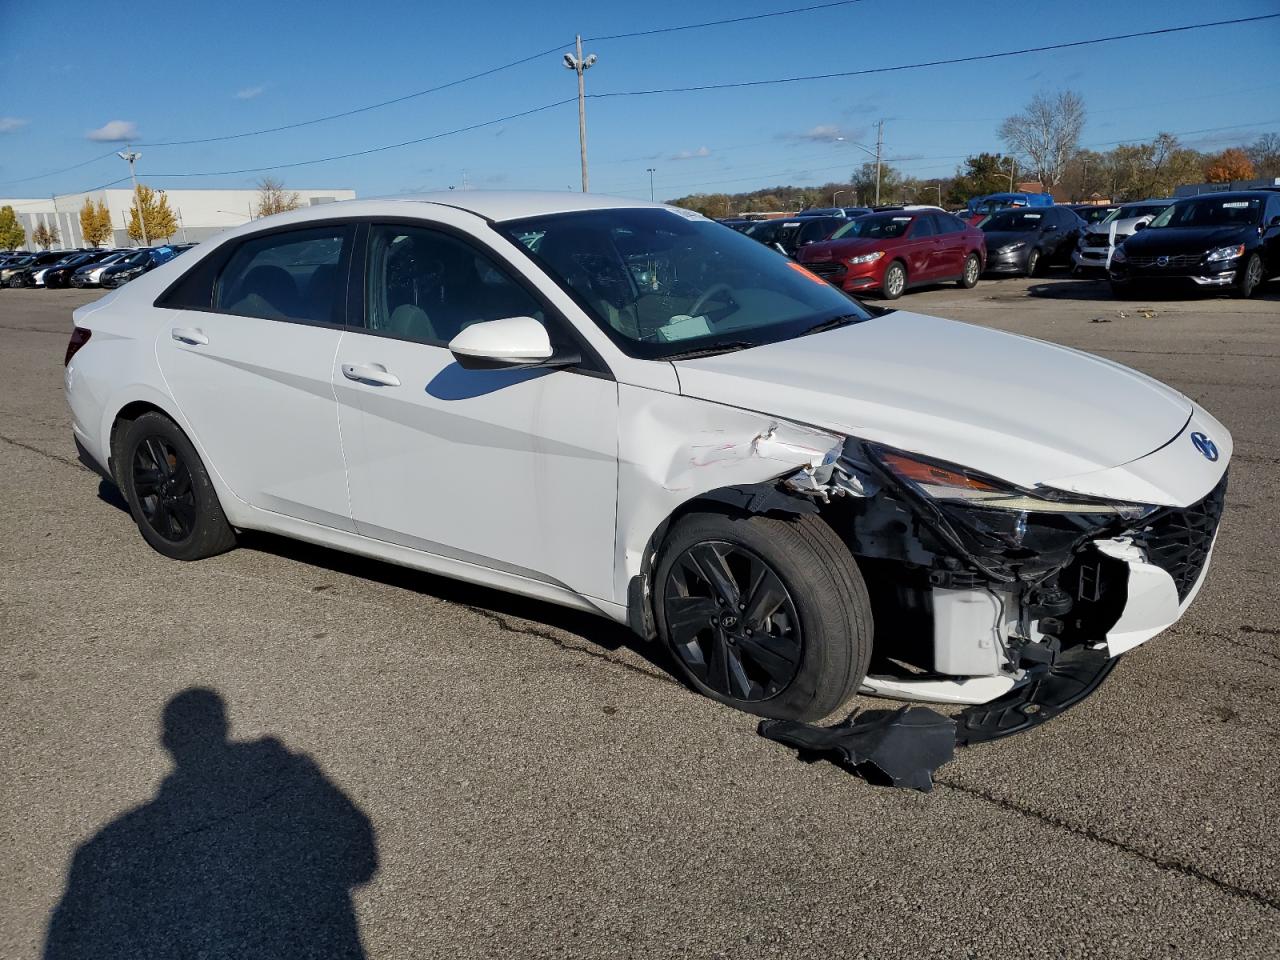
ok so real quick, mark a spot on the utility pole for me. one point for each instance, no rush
(133, 158)
(650, 169)
(580, 66)
(1013, 169)
(879, 152)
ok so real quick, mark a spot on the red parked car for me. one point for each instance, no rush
(895, 250)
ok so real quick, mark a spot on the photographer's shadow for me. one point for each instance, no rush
(246, 851)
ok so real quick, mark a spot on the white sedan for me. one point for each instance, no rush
(627, 408)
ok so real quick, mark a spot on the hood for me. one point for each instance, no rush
(998, 238)
(1019, 409)
(1173, 240)
(827, 250)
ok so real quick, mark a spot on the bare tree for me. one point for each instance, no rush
(274, 198)
(1047, 134)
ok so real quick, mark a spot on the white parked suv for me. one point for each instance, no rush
(630, 409)
(1097, 244)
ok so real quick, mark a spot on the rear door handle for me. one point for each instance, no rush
(374, 373)
(189, 335)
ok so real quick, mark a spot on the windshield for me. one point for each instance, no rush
(662, 283)
(885, 227)
(1012, 221)
(1209, 212)
(1133, 211)
(1095, 214)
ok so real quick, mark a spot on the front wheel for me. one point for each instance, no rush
(767, 615)
(169, 492)
(1033, 263)
(1250, 278)
(972, 267)
(895, 281)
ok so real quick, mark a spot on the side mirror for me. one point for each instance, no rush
(510, 342)
(1275, 221)
(1140, 225)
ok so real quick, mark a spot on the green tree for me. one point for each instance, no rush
(95, 223)
(151, 207)
(980, 174)
(864, 182)
(12, 236)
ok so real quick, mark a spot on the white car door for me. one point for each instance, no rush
(248, 354)
(514, 470)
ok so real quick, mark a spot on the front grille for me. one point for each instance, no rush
(829, 270)
(1178, 541)
(1180, 262)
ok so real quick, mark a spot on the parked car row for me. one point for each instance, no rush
(83, 268)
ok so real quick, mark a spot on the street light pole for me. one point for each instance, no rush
(1013, 168)
(650, 169)
(132, 158)
(581, 65)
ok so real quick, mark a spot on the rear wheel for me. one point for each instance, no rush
(767, 615)
(1250, 277)
(895, 280)
(972, 267)
(169, 492)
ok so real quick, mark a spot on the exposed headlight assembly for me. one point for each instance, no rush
(866, 257)
(1009, 532)
(1225, 253)
(1012, 247)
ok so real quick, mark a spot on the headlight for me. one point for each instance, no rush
(1012, 247)
(1226, 253)
(1009, 532)
(867, 257)
(1118, 255)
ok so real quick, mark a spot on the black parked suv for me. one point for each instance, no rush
(1220, 240)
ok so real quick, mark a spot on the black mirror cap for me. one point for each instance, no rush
(565, 359)
(1140, 225)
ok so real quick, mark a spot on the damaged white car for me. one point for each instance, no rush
(630, 409)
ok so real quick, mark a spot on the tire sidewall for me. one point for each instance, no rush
(1033, 262)
(1248, 287)
(210, 529)
(964, 276)
(889, 293)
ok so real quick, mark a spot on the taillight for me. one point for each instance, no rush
(79, 337)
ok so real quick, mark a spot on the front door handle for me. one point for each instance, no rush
(189, 335)
(374, 373)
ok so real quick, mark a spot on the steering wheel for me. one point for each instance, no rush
(696, 309)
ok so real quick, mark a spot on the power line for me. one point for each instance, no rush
(934, 63)
(363, 153)
(53, 173)
(721, 23)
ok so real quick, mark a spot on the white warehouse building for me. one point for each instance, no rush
(199, 213)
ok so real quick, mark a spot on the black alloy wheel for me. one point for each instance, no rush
(1250, 277)
(1033, 262)
(732, 621)
(162, 483)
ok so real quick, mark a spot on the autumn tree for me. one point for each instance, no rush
(150, 208)
(95, 223)
(864, 183)
(12, 236)
(1232, 164)
(1046, 134)
(274, 198)
(45, 236)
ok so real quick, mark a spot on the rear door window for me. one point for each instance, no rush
(294, 275)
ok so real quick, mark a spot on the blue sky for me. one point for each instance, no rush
(181, 71)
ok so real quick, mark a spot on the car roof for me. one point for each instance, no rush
(502, 205)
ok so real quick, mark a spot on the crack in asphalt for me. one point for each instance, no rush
(1172, 866)
(44, 453)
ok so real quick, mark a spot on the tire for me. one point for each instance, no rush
(895, 280)
(1251, 278)
(819, 630)
(972, 269)
(169, 492)
(1033, 262)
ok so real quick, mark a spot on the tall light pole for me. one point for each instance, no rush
(581, 65)
(836, 196)
(1013, 168)
(650, 169)
(128, 154)
(877, 153)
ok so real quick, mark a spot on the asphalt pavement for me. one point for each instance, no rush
(494, 777)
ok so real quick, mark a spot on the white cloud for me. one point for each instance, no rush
(823, 133)
(691, 154)
(248, 93)
(114, 131)
(12, 124)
